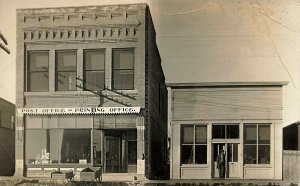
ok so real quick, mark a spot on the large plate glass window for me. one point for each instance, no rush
(38, 71)
(52, 146)
(65, 76)
(257, 142)
(94, 78)
(123, 69)
(194, 144)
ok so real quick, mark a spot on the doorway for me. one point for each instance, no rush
(112, 156)
(232, 160)
(120, 151)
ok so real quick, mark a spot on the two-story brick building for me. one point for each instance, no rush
(7, 138)
(90, 91)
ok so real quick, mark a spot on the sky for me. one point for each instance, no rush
(201, 41)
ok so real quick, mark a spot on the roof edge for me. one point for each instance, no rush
(297, 123)
(4, 100)
(64, 9)
(213, 84)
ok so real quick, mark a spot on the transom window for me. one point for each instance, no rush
(65, 76)
(94, 78)
(225, 131)
(257, 144)
(123, 69)
(193, 144)
(38, 71)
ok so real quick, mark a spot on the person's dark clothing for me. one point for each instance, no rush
(221, 165)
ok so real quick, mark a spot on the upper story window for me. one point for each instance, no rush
(123, 69)
(38, 71)
(65, 75)
(94, 72)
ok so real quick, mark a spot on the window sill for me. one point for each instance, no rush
(120, 92)
(257, 166)
(81, 93)
(59, 165)
(194, 166)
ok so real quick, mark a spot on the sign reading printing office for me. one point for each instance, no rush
(82, 110)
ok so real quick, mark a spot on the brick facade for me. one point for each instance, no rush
(97, 27)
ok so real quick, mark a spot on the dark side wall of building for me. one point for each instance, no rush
(156, 102)
(7, 138)
(291, 137)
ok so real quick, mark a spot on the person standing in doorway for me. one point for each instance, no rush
(221, 164)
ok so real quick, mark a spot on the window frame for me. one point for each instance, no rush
(114, 69)
(57, 71)
(257, 144)
(194, 144)
(29, 72)
(26, 157)
(226, 125)
(93, 70)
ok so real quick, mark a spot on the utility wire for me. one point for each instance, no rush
(273, 42)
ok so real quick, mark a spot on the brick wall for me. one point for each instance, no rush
(156, 100)
(117, 26)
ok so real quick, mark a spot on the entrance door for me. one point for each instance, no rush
(112, 156)
(216, 151)
(132, 156)
(231, 158)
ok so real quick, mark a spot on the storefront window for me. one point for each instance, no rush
(38, 71)
(257, 144)
(76, 146)
(94, 70)
(194, 144)
(50, 146)
(225, 131)
(66, 70)
(123, 69)
(36, 147)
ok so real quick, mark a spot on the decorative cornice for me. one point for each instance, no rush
(81, 19)
(75, 34)
(85, 9)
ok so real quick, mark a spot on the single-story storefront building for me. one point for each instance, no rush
(243, 119)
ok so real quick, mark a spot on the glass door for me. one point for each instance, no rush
(132, 156)
(232, 162)
(217, 147)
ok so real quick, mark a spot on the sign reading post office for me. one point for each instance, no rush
(81, 110)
